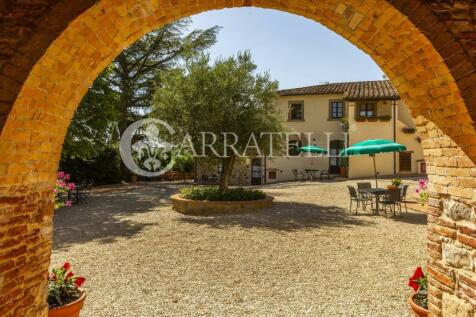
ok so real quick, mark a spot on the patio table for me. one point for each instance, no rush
(377, 192)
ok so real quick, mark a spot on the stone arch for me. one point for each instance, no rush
(431, 68)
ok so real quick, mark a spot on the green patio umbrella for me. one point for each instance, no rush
(372, 147)
(313, 149)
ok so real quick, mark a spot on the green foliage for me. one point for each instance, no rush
(213, 193)
(396, 181)
(184, 163)
(385, 118)
(122, 94)
(102, 168)
(94, 122)
(226, 96)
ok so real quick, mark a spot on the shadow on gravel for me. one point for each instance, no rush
(283, 216)
(103, 219)
(412, 217)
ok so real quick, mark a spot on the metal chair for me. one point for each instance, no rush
(392, 200)
(83, 192)
(355, 197)
(324, 174)
(298, 175)
(403, 197)
(366, 185)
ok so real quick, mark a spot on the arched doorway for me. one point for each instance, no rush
(48, 66)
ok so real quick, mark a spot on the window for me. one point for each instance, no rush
(296, 110)
(294, 148)
(405, 159)
(272, 175)
(366, 110)
(336, 109)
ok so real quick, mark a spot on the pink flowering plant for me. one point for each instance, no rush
(63, 286)
(422, 191)
(62, 187)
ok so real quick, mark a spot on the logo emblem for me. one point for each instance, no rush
(143, 150)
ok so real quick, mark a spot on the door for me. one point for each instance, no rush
(405, 161)
(256, 172)
(334, 160)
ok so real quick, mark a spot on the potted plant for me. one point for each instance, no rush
(344, 124)
(65, 298)
(422, 191)
(385, 118)
(396, 182)
(419, 299)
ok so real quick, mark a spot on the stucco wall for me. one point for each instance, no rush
(362, 166)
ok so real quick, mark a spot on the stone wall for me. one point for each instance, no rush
(241, 175)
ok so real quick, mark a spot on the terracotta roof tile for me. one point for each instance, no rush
(378, 89)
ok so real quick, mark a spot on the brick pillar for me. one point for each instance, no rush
(451, 225)
(25, 248)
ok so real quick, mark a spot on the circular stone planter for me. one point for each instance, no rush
(69, 310)
(206, 207)
(418, 311)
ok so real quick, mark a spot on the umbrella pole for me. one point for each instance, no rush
(375, 171)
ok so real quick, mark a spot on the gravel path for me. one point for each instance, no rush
(308, 256)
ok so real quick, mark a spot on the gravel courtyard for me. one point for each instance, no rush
(307, 256)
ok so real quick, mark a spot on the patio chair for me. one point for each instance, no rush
(82, 193)
(392, 200)
(403, 197)
(366, 185)
(324, 174)
(298, 175)
(355, 197)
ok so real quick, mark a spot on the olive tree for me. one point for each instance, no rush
(226, 98)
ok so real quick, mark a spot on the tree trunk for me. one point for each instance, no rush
(226, 175)
(125, 102)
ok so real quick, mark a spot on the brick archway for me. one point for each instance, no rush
(52, 64)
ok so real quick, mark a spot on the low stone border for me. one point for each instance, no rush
(206, 207)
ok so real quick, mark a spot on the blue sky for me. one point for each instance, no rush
(295, 50)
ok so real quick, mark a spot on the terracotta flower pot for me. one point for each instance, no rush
(417, 310)
(69, 310)
(392, 187)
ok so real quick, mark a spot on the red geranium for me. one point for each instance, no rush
(414, 281)
(79, 281)
(419, 283)
(63, 286)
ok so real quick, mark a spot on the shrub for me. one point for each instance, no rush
(101, 169)
(63, 286)
(212, 193)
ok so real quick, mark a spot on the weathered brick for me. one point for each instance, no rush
(441, 277)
